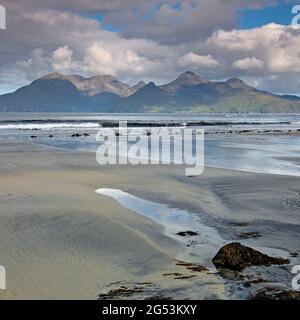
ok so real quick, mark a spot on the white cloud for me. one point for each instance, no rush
(62, 59)
(194, 60)
(248, 63)
(235, 40)
(271, 49)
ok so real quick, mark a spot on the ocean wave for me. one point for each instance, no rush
(47, 126)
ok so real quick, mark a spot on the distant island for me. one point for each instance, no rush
(188, 93)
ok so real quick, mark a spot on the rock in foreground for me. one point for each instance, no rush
(235, 256)
(276, 294)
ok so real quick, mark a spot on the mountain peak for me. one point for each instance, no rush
(141, 84)
(53, 75)
(151, 84)
(149, 88)
(237, 83)
(189, 74)
(94, 85)
(190, 77)
(187, 78)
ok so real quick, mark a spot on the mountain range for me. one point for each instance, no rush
(187, 93)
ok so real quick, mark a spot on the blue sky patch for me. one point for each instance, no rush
(280, 14)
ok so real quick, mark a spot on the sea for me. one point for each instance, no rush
(261, 143)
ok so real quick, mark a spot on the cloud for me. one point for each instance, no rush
(164, 21)
(173, 22)
(275, 48)
(126, 61)
(193, 60)
(248, 63)
(62, 59)
(156, 40)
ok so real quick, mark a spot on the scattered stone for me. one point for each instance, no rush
(239, 224)
(249, 235)
(231, 275)
(249, 282)
(191, 243)
(192, 266)
(197, 268)
(33, 137)
(276, 294)
(235, 256)
(76, 135)
(176, 274)
(185, 277)
(245, 131)
(86, 134)
(124, 291)
(119, 292)
(187, 233)
(294, 254)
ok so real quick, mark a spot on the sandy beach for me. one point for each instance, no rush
(61, 240)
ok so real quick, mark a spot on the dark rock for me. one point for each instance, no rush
(231, 275)
(245, 131)
(125, 291)
(249, 235)
(192, 266)
(33, 137)
(184, 277)
(249, 282)
(239, 224)
(50, 136)
(235, 256)
(122, 292)
(294, 254)
(76, 135)
(197, 268)
(187, 233)
(276, 294)
(176, 274)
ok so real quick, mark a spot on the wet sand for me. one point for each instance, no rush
(61, 240)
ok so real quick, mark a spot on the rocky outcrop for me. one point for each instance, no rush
(276, 294)
(235, 256)
(249, 235)
(187, 233)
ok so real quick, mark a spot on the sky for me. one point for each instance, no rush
(152, 40)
